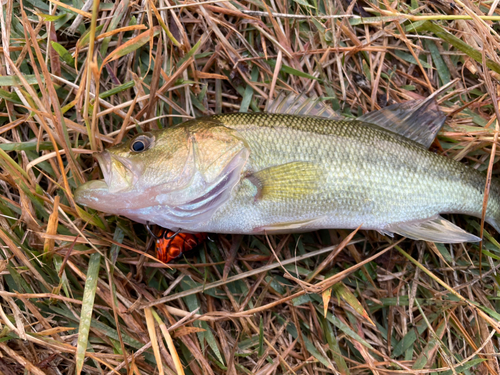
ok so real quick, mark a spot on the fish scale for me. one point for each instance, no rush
(370, 176)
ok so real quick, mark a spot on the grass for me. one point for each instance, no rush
(81, 291)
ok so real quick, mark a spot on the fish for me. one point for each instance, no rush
(297, 167)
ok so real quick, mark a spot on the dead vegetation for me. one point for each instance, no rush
(82, 292)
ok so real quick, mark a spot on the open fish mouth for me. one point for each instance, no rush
(104, 160)
(119, 177)
(120, 174)
(92, 192)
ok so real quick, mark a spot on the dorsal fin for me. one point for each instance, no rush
(293, 104)
(418, 120)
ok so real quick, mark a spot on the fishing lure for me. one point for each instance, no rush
(171, 245)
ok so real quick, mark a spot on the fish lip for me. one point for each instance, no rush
(93, 185)
(104, 160)
(90, 192)
(120, 173)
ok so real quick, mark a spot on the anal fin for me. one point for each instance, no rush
(436, 229)
(387, 233)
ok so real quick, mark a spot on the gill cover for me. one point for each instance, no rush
(218, 155)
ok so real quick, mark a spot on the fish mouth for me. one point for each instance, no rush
(104, 160)
(120, 173)
(92, 192)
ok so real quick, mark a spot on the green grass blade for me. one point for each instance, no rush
(442, 69)
(64, 53)
(261, 338)
(464, 367)
(309, 345)
(87, 307)
(334, 347)
(15, 81)
(459, 44)
(409, 58)
(117, 89)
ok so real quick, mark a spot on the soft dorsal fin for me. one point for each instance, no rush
(293, 104)
(418, 120)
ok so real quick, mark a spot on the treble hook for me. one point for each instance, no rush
(173, 235)
(165, 237)
(151, 232)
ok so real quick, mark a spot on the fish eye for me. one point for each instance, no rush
(138, 146)
(141, 143)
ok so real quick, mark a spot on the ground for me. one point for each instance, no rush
(82, 292)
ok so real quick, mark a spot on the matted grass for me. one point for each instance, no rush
(81, 291)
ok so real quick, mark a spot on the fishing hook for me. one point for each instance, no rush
(173, 235)
(151, 232)
(165, 237)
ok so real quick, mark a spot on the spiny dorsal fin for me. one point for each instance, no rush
(287, 181)
(418, 120)
(293, 104)
(436, 229)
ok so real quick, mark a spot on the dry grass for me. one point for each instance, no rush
(80, 290)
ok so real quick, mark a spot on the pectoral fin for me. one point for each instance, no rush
(287, 181)
(435, 229)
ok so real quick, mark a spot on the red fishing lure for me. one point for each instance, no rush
(171, 245)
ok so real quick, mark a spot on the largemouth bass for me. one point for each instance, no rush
(279, 172)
